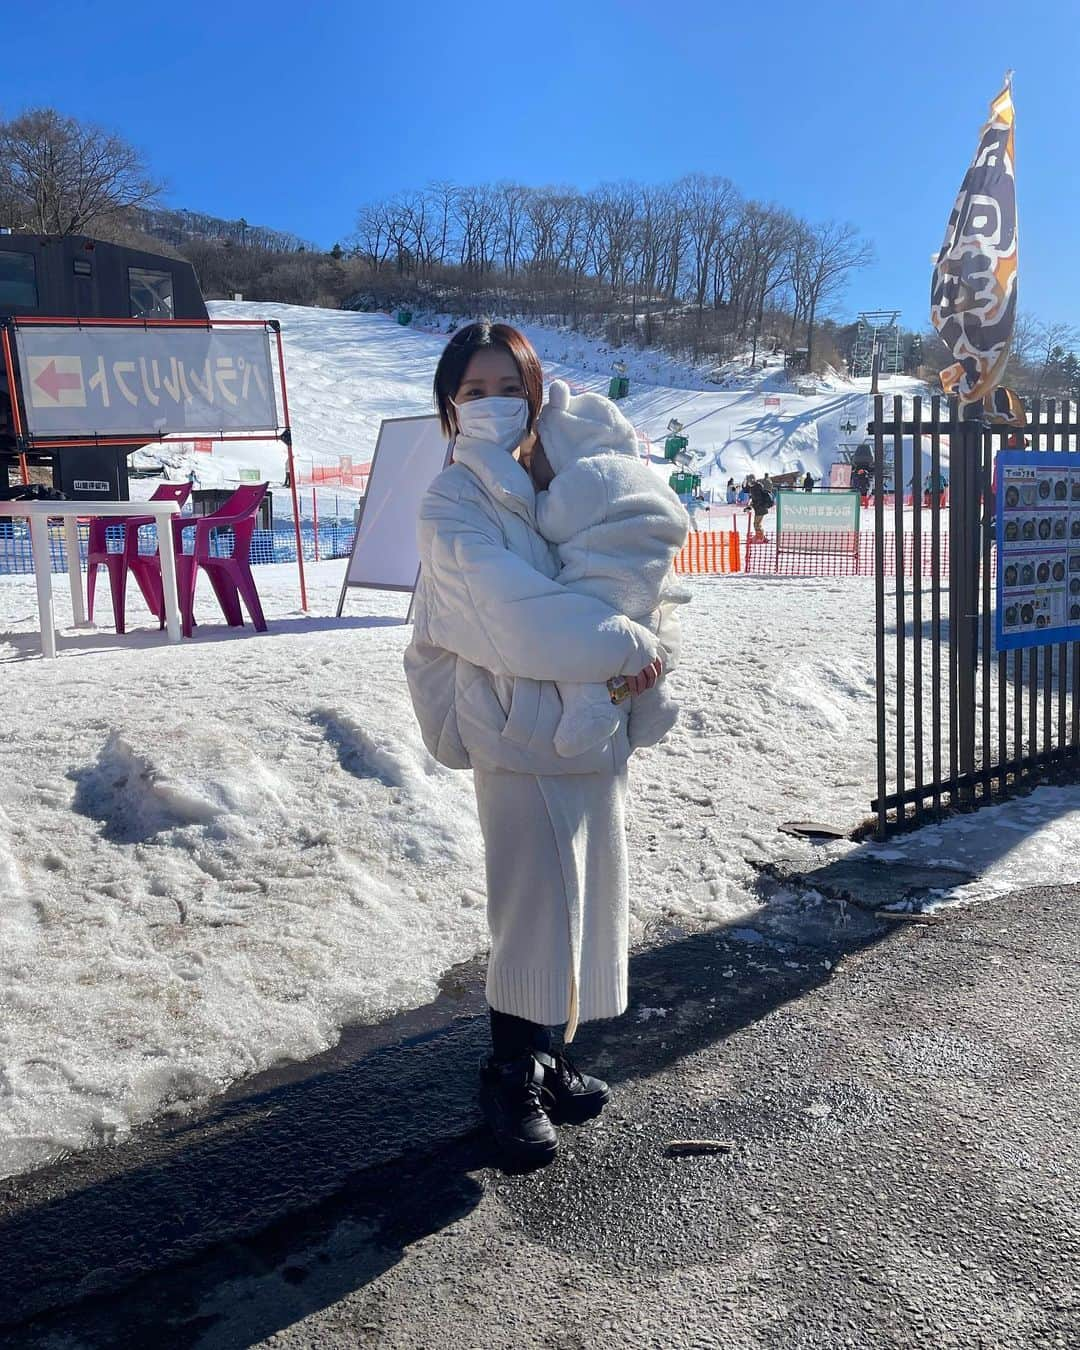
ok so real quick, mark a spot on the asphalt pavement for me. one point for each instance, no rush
(895, 1163)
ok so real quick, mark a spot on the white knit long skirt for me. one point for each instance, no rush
(555, 850)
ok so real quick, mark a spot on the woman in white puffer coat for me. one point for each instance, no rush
(492, 633)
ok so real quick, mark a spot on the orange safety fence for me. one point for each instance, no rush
(709, 552)
(335, 475)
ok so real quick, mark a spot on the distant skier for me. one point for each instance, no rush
(808, 483)
(761, 503)
(935, 485)
(732, 492)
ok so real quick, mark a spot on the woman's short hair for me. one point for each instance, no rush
(460, 350)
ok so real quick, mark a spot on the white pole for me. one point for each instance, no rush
(167, 557)
(39, 543)
(71, 541)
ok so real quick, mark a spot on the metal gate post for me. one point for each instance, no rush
(876, 428)
(964, 581)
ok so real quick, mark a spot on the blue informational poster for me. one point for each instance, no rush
(1038, 548)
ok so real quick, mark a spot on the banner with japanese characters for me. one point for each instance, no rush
(1038, 548)
(973, 292)
(155, 381)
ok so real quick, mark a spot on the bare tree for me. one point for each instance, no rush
(766, 235)
(12, 207)
(709, 270)
(1052, 341)
(66, 175)
(615, 237)
(372, 236)
(822, 257)
(477, 212)
(656, 210)
(543, 210)
(443, 194)
(706, 206)
(514, 199)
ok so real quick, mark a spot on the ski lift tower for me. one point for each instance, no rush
(878, 331)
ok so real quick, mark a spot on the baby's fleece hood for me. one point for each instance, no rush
(573, 427)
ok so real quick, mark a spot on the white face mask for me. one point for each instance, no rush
(498, 421)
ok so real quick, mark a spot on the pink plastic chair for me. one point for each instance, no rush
(230, 576)
(146, 569)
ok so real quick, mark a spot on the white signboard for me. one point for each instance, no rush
(409, 453)
(134, 381)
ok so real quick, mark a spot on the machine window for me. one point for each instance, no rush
(18, 281)
(151, 294)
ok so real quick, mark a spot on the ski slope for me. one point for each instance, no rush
(215, 855)
(347, 371)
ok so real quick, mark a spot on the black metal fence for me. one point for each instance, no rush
(959, 723)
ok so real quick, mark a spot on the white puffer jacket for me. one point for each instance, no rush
(616, 523)
(492, 631)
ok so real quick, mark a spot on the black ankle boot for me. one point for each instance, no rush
(510, 1095)
(569, 1096)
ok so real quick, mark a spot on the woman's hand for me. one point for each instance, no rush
(648, 677)
(523, 452)
(531, 455)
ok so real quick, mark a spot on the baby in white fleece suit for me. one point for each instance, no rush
(618, 527)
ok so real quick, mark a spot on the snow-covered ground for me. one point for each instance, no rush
(214, 855)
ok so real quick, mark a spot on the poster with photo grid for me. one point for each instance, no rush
(1038, 548)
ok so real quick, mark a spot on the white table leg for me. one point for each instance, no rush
(168, 576)
(71, 541)
(39, 542)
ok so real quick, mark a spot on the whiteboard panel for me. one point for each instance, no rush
(409, 453)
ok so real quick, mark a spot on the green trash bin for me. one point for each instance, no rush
(674, 444)
(404, 317)
(619, 387)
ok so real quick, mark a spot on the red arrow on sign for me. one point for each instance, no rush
(53, 382)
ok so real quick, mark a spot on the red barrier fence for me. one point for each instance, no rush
(838, 553)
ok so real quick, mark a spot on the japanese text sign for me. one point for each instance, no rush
(1038, 543)
(152, 381)
(806, 512)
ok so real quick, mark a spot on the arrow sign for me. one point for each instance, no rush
(56, 382)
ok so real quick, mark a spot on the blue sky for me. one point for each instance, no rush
(293, 114)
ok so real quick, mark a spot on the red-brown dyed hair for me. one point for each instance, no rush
(459, 351)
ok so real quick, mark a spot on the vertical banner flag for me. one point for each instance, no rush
(973, 294)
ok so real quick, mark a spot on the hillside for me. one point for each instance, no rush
(348, 370)
(178, 227)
